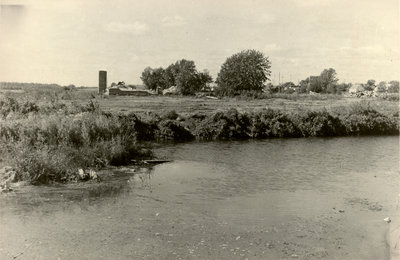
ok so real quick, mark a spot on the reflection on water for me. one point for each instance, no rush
(321, 193)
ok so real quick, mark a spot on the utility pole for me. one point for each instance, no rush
(279, 78)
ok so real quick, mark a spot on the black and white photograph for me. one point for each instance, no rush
(199, 129)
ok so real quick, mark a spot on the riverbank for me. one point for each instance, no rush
(47, 142)
(394, 240)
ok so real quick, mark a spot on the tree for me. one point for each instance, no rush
(246, 70)
(169, 75)
(381, 87)
(288, 87)
(187, 79)
(315, 84)
(153, 78)
(271, 88)
(326, 82)
(370, 85)
(182, 74)
(203, 79)
(393, 86)
(303, 86)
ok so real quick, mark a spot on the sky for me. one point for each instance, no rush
(69, 41)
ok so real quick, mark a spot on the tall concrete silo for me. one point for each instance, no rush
(102, 81)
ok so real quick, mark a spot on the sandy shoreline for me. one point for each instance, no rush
(394, 239)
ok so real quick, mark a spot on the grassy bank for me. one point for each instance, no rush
(50, 141)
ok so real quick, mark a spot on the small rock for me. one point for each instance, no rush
(237, 238)
(388, 220)
(295, 256)
(341, 210)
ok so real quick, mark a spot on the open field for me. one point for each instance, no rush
(190, 105)
(186, 105)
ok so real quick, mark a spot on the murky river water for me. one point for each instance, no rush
(310, 198)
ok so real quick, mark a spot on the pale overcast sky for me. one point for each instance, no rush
(69, 41)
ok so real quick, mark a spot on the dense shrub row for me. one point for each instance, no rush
(50, 142)
(268, 123)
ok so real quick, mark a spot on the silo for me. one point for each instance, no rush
(102, 81)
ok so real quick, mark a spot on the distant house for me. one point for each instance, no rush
(121, 89)
(171, 91)
(128, 92)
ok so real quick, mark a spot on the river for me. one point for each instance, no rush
(309, 198)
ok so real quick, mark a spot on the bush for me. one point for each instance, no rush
(9, 105)
(171, 115)
(318, 123)
(223, 126)
(271, 123)
(172, 130)
(361, 119)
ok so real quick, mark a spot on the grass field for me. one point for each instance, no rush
(190, 105)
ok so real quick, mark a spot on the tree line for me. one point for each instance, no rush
(248, 71)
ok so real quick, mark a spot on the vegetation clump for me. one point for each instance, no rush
(223, 126)
(270, 123)
(245, 71)
(362, 119)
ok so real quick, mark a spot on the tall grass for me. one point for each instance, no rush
(51, 147)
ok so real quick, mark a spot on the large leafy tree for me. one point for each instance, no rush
(246, 70)
(154, 78)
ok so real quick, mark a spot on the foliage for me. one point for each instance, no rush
(270, 123)
(182, 74)
(223, 125)
(171, 115)
(361, 119)
(10, 105)
(381, 87)
(51, 147)
(246, 70)
(318, 123)
(324, 83)
(393, 86)
(370, 85)
(154, 78)
(173, 130)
